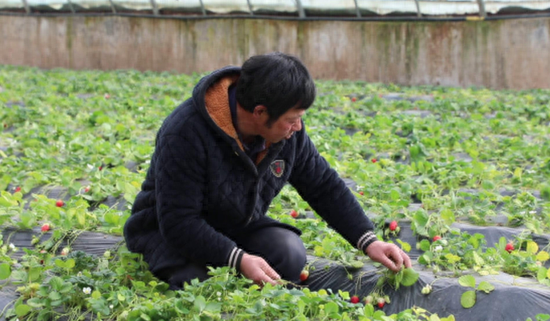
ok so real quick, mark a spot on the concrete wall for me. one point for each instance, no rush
(495, 54)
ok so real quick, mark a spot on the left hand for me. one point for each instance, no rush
(390, 255)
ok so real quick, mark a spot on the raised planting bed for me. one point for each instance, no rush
(464, 173)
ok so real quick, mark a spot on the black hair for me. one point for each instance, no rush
(276, 80)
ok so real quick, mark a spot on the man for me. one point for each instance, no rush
(220, 159)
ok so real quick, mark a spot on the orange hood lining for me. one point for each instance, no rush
(216, 101)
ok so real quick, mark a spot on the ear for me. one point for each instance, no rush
(260, 111)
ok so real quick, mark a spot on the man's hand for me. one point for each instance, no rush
(258, 270)
(390, 255)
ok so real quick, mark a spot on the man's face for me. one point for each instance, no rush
(284, 127)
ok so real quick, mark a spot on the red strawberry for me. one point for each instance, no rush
(107, 96)
(59, 203)
(436, 238)
(361, 193)
(509, 247)
(86, 189)
(45, 227)
(100, 167)
(18, 189)
(393, 225)
(304, 275)
(381, 302)
(294, 214)
(354, 299)
(354, 99)
(373, 160)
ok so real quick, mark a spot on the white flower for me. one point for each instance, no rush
(87, 290)
(522, 212)
(79, 273)
(90, 166)
(218, 293)
(12, 247)
(111, 306)
(532, 212)
(438, 248)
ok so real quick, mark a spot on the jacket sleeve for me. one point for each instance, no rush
(323, 189)
(180, 194)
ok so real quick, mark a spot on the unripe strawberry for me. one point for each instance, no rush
(368, 299)
(393, 225)
(381, 303)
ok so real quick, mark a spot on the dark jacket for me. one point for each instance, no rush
(202, 190)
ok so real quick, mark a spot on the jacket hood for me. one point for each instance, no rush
(211, 97)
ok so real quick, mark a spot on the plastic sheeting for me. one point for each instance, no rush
(286, 7)
(529, 298)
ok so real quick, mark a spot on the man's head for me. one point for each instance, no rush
(275, 82)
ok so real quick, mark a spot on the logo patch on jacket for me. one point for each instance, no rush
(277, 167)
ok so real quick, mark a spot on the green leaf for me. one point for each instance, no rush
(35, 273)
(22, 310)
(369, 310)
(331, 308)
(468, 299)
(448, 216)
(200, 303)
(410, 276)
(478, 259)
(54, 295)
(5, 271)
(425, 245)
(213, 307)
(425, 258)
(60, 263)
(467, 280)
(541, 273)
(532, 247)
(56, 283)
(70, 264)
(421, 218)
(485, 287)
(394, 195)
(543, 256)
(434, 317)
(96, 294)
(404, 245)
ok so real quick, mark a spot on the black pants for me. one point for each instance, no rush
(280, 247)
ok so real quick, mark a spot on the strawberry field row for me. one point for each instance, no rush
(440, 162)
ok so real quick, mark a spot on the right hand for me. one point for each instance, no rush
(258, 270)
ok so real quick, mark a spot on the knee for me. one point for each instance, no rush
(289, 257)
